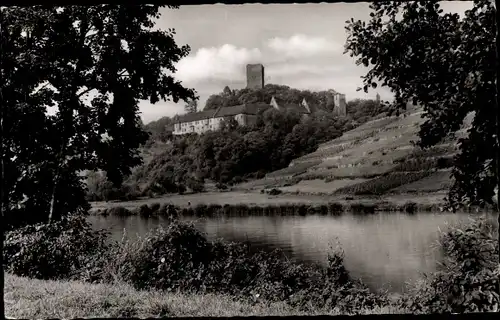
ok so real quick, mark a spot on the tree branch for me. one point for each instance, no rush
(84, 92)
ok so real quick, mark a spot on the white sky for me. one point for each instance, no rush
(300, 45)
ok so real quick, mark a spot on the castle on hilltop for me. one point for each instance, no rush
(246, 114)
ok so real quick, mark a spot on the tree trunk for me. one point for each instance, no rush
(53, 198)
(497, 123)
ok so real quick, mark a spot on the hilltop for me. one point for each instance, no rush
(220, 159)
(378, 158)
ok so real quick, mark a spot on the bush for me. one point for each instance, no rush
(274, 192)
(236, 180)
(335, 289)
(59, 250)
(166, 258)
(119, 211)
(444, 162)
(221, 186)
(155, 207)
(468, 281)
(144, 211)
(168, 210)
(362, 208)
(195, 185)
(410, 207)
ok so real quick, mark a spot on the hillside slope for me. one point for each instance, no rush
(376, 158)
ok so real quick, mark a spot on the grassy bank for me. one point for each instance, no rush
(27, 298)
(214, 210)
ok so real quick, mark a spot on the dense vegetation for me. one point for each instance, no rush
(468, 280)
(323, 100)
(178, 257)
(214, 210)
(443, 62)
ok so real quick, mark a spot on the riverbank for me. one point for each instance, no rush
(27, 298)
(166, 209)
(254, 199)
(258, 202)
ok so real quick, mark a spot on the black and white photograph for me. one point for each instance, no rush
(249, 159)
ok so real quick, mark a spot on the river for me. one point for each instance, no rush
(384, 250)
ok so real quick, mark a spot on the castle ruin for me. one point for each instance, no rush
(255, 76)
(340, 104)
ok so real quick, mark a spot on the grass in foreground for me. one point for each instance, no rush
(30, 298)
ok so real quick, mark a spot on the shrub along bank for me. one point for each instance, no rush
(179, 258)
(215, 210)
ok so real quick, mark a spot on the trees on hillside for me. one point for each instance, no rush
(191, 106)
(228, 97)
(235, 153)
(446, 64)
(158, 129)
(62, 57)
(361, 109)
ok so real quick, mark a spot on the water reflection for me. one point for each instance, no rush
(383, 250)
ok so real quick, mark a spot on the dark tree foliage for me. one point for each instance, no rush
(191, 106)
(361, 109)
(160, 130)
(62, 57)
(446, 64)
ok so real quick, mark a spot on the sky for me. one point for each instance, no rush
(300, 45)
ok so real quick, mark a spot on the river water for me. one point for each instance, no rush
(384, 250)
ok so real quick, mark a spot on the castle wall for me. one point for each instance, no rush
(212, 124)
(198, 126)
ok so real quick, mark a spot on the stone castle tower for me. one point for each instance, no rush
(340, 104)
(255, 76)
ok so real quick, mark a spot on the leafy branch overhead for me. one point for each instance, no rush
(446, 63)
(92, 64)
